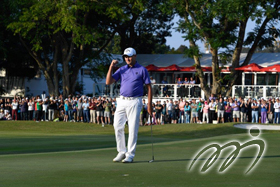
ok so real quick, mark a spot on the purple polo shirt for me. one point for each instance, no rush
(237, 108)
(132, 80)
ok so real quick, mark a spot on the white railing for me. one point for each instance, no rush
(160, 91)
(256, 91)
(189, 91)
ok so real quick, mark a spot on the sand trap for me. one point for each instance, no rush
(261, 127)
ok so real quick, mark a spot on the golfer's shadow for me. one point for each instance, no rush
(189, 159)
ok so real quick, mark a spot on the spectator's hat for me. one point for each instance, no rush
(225, 98)
(26, 98)
(129, 52)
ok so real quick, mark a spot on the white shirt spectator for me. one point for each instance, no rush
(212, 106)
(30, 106)
(14, 105)
(169, 106)
(45, 106)
(276, 107)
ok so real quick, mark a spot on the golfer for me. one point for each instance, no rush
(132, 78)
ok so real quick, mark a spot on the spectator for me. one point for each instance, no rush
(277, 111)
(228, 112)
(2, 115)
(212, 107)
(236, 111)
(205, 112)
(199, 109)
(107, 111)
(263, 111)
(52, 107)
(8, 116)
(243, 110)
(99, 111)
(186, 82)
(30, 108)
(194, 111)
(169, 110)
(165, 88)
(187, 110)
(143, 113)
(164, 119)
(45, 106)
(24, 109)
(255, 111)
(85, 111)
(14, 109)
(153, 82)
(221, 110)
(92, 108)
(38, 109)
(270, 111)
(179, 87)
(75, 111)
(66, 110)
(249, 110)
(175, 112)
(80, 110)
(182, 104)
(158, 110)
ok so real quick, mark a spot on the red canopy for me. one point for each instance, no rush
(274, 68)
(173, 67)
(192, 69)
(188, 69)
(250, 68)
(152, 67)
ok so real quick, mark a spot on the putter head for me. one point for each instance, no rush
(151, 161)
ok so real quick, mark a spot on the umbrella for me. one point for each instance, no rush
(274, 68)
(250, 68)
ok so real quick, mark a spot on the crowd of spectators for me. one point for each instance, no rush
(213, 110)
(98, 110)
(101, 110)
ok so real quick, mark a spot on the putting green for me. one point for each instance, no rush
(33, 155)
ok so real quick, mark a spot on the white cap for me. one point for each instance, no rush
(129, 52)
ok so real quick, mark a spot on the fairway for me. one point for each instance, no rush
(72, 154)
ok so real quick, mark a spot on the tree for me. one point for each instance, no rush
(222, 25)
(145, 27)
(13, 56)
(64, 32)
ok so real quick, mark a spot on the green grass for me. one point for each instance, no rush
(79, 154)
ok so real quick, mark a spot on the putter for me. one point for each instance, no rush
(152, 140)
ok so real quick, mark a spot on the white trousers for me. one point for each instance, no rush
(127, 110)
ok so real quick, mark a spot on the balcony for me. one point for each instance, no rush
(192, 91)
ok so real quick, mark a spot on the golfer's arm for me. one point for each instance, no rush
(150, 98)
(109, 78)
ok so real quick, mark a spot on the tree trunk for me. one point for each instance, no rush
(48, 68)
(216, 85)
(203, 84)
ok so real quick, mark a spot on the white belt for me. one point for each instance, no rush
(129, 98)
